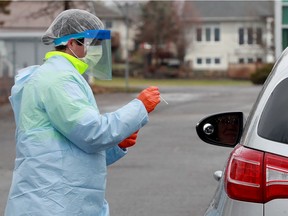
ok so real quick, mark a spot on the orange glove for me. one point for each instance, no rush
(129, 142)
(150, 97)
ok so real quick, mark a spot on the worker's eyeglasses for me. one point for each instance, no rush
(82, 42)
(88, 42)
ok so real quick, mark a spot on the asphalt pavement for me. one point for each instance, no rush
(170, 170)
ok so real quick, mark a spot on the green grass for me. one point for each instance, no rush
(133, 82)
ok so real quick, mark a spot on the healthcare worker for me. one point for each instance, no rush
(63, 143)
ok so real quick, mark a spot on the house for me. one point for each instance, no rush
(229, 36)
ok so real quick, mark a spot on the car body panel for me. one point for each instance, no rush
(222, 205)
(277, 207)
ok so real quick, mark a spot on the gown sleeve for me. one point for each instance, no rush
(70, 112)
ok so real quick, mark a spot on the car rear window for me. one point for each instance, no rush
(273, 124)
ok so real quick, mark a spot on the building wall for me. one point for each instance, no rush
(217, 55)
(23, 52)
(19, 53)
(120, 27)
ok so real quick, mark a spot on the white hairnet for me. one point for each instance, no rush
(71, 21)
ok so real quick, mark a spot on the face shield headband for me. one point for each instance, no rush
(98, 55)
(92, 34)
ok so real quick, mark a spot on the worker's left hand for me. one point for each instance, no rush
(129, 141)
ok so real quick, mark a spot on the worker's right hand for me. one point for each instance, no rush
(150, 97)
(129, 141)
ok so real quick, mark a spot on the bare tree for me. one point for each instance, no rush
(161, 25)
(3, 6)
(53, 6)
(4, 9)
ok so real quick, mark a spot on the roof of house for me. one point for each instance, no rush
(227, 10)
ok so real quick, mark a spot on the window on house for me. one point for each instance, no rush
(285, 38)
(241, 60)
(259, 60)
(108, 24)
(285, 14)
(250, 35)
(199, 60)
(208, 34)
(241, 36)
(208, 60)
(250, 60)
(199, 34)
(259, 36)
(217, 60)
(217, 34)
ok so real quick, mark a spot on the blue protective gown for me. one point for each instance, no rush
(63, 143)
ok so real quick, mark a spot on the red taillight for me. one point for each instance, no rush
(255, 176)
(244, 174)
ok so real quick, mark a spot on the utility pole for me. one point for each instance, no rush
(124, 12)
(127, 48)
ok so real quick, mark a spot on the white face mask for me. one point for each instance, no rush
(93, 55)
(97, 65)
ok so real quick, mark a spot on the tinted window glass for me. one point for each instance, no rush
(217, 34)
(108, 24)
(285, 38)
(199, 34)
(259, 36)
(250, 36)
(217, 60)
(199, 61)
(273, 123)
(208, 34)
(241, 35)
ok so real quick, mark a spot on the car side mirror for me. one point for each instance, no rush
(224, 129)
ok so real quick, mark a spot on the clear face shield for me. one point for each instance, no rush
(98, 56)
